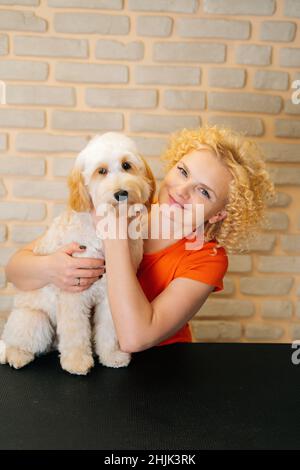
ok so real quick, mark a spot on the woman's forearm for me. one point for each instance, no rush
(28, 271)
(130, 308)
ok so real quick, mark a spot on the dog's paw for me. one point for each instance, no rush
(18, 358)
(2, 352)
(115, 358)
(77, 362)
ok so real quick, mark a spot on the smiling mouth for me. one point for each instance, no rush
(173, 202)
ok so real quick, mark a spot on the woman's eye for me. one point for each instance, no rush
(102, 171)
(205, 193)
(126, 166)
(182, 170)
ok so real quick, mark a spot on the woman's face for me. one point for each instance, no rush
(199, 178)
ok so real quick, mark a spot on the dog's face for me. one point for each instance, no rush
(109, 170)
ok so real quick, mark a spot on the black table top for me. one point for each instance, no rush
(181, 396)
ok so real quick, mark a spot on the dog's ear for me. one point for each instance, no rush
(150, 177)
(79, 198)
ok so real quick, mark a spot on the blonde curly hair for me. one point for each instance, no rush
(250, 189)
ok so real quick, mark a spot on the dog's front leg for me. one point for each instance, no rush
(105, 338)
(74, 333)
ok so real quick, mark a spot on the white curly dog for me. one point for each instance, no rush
(107, 170)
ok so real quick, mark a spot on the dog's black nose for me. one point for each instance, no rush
(121, 195)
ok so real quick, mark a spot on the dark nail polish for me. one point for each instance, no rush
(82, 247)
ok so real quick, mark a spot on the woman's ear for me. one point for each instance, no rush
(79, 198)
(150, 177)
(218, 217)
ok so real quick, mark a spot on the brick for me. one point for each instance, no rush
(3, 142)
(22, 118)
(277, 31)
(150, 146)
(295, 332)
(154, 26)
(287, 128)
(239, 263)
(287, 176)
(181, 99)
(40, 189)
(289, 57)
(21, 21)
(248, 125)
(242, 7)
(277, 309)
(276, 221)
(116, 50)
(263, 332)
(62, 166)
(266, 286)
(279, 264)
(213, 28)
(6, 303)
(3, 233)
(22, 166)
(2, 189)
(271, 80)
(226, 308)
(91, 73)
(52, 143)
(121, 98)
(156, 166)
(189, 52)
(57, 210)
(244, 102)
(161, 124)
(74, 120)
(20, 2)
(100, 4)
(26, 233)
(159, 75)
(23, 70)
(291, 108)
(175, 6)
(50, 46)
(41, 95)
(216, 330)
(5, 255)
(3, 44)
(290, 242)
(281, 200)
(226, 77)
(22, 211)
(276, 152)
(292, 8)
(91, 23)
(251, 54)
(2, 279)
(229, 288)
(262, 242)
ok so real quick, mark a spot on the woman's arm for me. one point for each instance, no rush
(140, 324)
(29, 271)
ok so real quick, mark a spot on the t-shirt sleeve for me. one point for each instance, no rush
(205, 266)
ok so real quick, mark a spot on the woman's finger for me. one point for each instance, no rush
(88, 273)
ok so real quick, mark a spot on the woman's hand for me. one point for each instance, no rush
(66, 269)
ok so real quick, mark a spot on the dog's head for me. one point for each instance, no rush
(108, 170)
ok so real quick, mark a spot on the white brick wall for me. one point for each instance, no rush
(73, 68)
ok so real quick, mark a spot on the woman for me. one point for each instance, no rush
(211, 167)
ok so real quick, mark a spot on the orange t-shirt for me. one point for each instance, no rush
(158, 269)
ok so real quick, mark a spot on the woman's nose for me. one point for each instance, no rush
(183, 192)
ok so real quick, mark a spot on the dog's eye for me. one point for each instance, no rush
(102, 171)
(126, 166)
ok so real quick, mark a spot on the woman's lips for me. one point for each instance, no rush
(173, 202)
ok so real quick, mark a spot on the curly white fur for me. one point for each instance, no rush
(46, 316)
